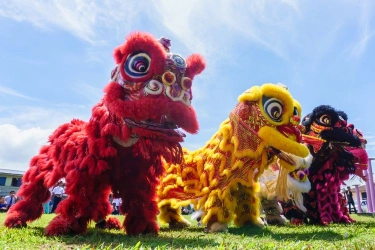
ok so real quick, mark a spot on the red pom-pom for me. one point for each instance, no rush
(195, 65)
(113, 223)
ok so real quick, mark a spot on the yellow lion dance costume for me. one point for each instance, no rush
(221, 178)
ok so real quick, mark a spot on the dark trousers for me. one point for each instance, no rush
(56, 201)
(351, 203)
(116, 211)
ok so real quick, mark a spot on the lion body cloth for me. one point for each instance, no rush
(121, 148)
(221, 178)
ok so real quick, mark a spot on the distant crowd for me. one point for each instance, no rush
(7, 201)
(57, 195)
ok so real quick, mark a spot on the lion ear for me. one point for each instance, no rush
(118, 55)
(195, 65)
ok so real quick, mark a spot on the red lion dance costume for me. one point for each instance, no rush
(122, 145)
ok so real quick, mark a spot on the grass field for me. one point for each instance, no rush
(359, 235)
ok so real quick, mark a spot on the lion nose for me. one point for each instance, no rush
(295, 120)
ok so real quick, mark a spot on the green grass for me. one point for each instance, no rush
(359, 235)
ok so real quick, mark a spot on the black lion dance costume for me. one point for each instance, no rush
(330, 142)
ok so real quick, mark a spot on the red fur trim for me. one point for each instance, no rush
(195, 65)
(58, 226)
(113, 223)
(171, 151)
(110, 129)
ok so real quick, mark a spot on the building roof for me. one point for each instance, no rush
(11, 171)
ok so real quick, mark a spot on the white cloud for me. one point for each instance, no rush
(293, 3)
(366, 33)
(23, 130)
(88, 19)
(209, 29)
(82, 18)
(11, 92)
(360, 47)
(19, 145)
(91, 93)
(27, 117)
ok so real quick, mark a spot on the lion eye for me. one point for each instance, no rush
(273, 108)
(325, 119)
(295, 111)
(137, 64)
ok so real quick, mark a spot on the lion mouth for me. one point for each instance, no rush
(166, 127)
(281, 155)
(288, 131)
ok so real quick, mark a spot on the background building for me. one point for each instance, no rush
(10, 180)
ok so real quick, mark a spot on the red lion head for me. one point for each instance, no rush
(149, 97)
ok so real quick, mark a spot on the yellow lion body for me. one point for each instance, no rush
(222, 177)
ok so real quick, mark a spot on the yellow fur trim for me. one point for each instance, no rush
(279, 141)
(251, 95)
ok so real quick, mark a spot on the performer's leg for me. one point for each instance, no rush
(138, 193)
(87, 200)
(272, 210)
(248, 206)
(171, 213)
(218, 212)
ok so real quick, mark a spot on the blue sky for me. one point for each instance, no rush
(56, 57)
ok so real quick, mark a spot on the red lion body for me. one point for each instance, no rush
(120, 148)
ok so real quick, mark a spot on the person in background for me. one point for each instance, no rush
(184, 210)
(3, 204)
(57, 194)
(10, 199)
(46, 206)
(349, 197)
(50, 200)
(116, 206)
